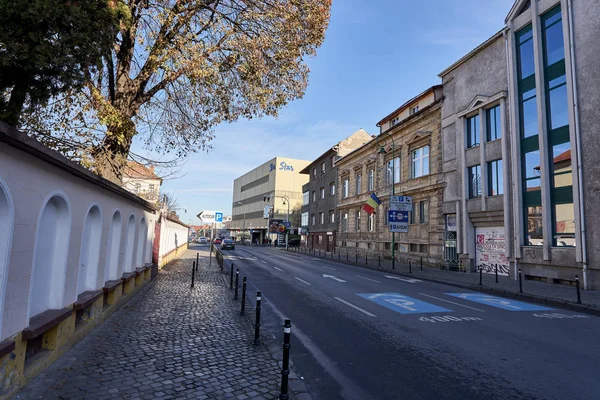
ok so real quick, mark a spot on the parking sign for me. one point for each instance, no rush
(398, 221)
(401, 203)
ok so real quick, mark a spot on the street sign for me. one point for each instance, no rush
(499, 302)
(266, 212)
(208, 217)
(401, 203)
(403, 304)
(398, 221)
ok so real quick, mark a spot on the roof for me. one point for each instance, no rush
(176, 220)
(472, 53)
(134, 169)
(406, 104)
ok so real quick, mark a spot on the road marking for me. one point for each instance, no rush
(403, 304)
(368, 279)
(448, 318)
(560, 316)
(355, 307)
(263, 261)
(451, 302)
(325, 266)
(409, 280)
(278, 269)
(302, 280)
(499, 302)
(335, 278)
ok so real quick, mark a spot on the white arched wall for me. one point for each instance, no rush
(6, 226)
(141, 244)
(129, 245)
(111, 267)
(46, 291)
(87, 275)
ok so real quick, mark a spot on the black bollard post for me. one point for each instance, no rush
(379, 261)
(366, 259)
(346, 255)
(339, 255)
(319, 252)
(237, 283)
(193, 271)
(231, 278)
(480, 276)
(410, 266)
(496, 273)
(578, 291)
(520, 281)
(197, 260)
(257, 322)
(421, 263)
(285, 367)
(243, 311)
(356, 257)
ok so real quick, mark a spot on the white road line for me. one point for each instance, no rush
(451, 302)
(355, 307)
(325, 266)
(263, 261)
(368, 279)
(302, 280)
(278, 269)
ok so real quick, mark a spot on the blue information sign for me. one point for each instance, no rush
(398, 221)
(403, 304)
(218, 217)
(499, 302)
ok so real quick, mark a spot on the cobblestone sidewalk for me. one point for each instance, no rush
(168, 342)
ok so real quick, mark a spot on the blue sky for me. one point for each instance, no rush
(376, 55)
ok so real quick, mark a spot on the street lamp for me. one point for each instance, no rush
(383, 151)
(287, 220)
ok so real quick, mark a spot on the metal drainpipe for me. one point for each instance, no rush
(578, 144)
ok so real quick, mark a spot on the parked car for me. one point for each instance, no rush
(202, 240)
(217, 241)
(228, 244)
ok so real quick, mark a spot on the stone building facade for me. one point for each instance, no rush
(407, 152)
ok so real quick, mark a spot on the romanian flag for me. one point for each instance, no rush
(371, 204)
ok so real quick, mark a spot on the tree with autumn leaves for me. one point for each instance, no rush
(177, 69)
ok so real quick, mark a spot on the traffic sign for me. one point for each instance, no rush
(398, 221)
(210, 216)
(401, 203)
(218, 217)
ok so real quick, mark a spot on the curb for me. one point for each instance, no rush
(582, 308)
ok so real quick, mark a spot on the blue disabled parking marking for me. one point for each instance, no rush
(510, 305)
(403, 304)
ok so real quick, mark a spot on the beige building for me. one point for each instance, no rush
(278, 184)
(142, 181)
(407, 152)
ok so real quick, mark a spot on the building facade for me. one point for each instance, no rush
(142, 181)
(406, 154)
(277, 184)
(520, 127)
(319, 223)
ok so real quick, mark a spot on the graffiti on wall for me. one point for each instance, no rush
(490, 251)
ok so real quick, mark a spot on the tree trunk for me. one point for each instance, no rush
(110, 158)
(13, 110)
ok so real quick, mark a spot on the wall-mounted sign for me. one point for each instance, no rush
(401, 203)
(451, 222)
(490, 251)
(207, 216)
(398, 221)
(283, 166)
(266, 212)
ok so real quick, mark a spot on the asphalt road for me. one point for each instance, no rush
(358, 334)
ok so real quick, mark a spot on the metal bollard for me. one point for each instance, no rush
(193, 272)
(197, 260)
(578, 291)
(496, 273)
(231, 278)
(421, 263)
(357, 257)
(237, 283)
(409, 266)
(366, 259)
(480, 276)
(520, 281)
(257, 322)
(243, 311)
(346, 255)
(339, 255)
(285, 367)
(319, 252)
(379, 261)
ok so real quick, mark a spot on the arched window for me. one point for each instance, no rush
(6, 224)
(50, 257)
(111, 268)
(141, 247)
(87, 276)
(129, 245)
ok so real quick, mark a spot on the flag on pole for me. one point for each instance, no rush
(371, 204)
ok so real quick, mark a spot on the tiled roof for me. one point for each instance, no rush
(134, 169)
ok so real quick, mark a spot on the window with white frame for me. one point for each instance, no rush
(305, 198)
(332, 161)
(371, 223)
(386, 221)
(358, 183)
(393, 170)
(321, 218)
(323, 167)
(420, 162)
(423, 212)
(395, 121)
(345, 187)
(304, 219)
(314, 172)
(357, 221)
(331, 216)
(322, 193)
(313, 219)
(414, 110)
(345, 222)
(371, 180)
(332, 189)
(314, 196)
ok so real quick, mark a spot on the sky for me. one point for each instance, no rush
(377, 54)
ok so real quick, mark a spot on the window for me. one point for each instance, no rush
(332, 161)
(322, 192)
(394, 121)
(371, 180)
(304, 219)
(331, 216)
(314, 172)
(371, 223)
(358, 183)
(473, 131)
(495, 179)
(345, 222)
(414, 110)
(386, 221)
(393, 170)
(314, 196)
(321, 218)
(475, 182)
(323, 167)
(357, 221)
(493, 124)
(151, 188)
(411, 217)
(420, 162)
(332, 189)
(345, 188)
(305, 198)
(423, 212)
(320, 239)
(313, 220)
(138, 187)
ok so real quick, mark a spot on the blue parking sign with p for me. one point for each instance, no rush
(218, 217)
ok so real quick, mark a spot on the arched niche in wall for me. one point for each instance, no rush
(141, 246)
(87, 275)
(6, 226)
(46, 291)
(129, 245)
(111, 267)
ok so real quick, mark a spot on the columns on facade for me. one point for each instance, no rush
(506, 179)
(482, 163)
